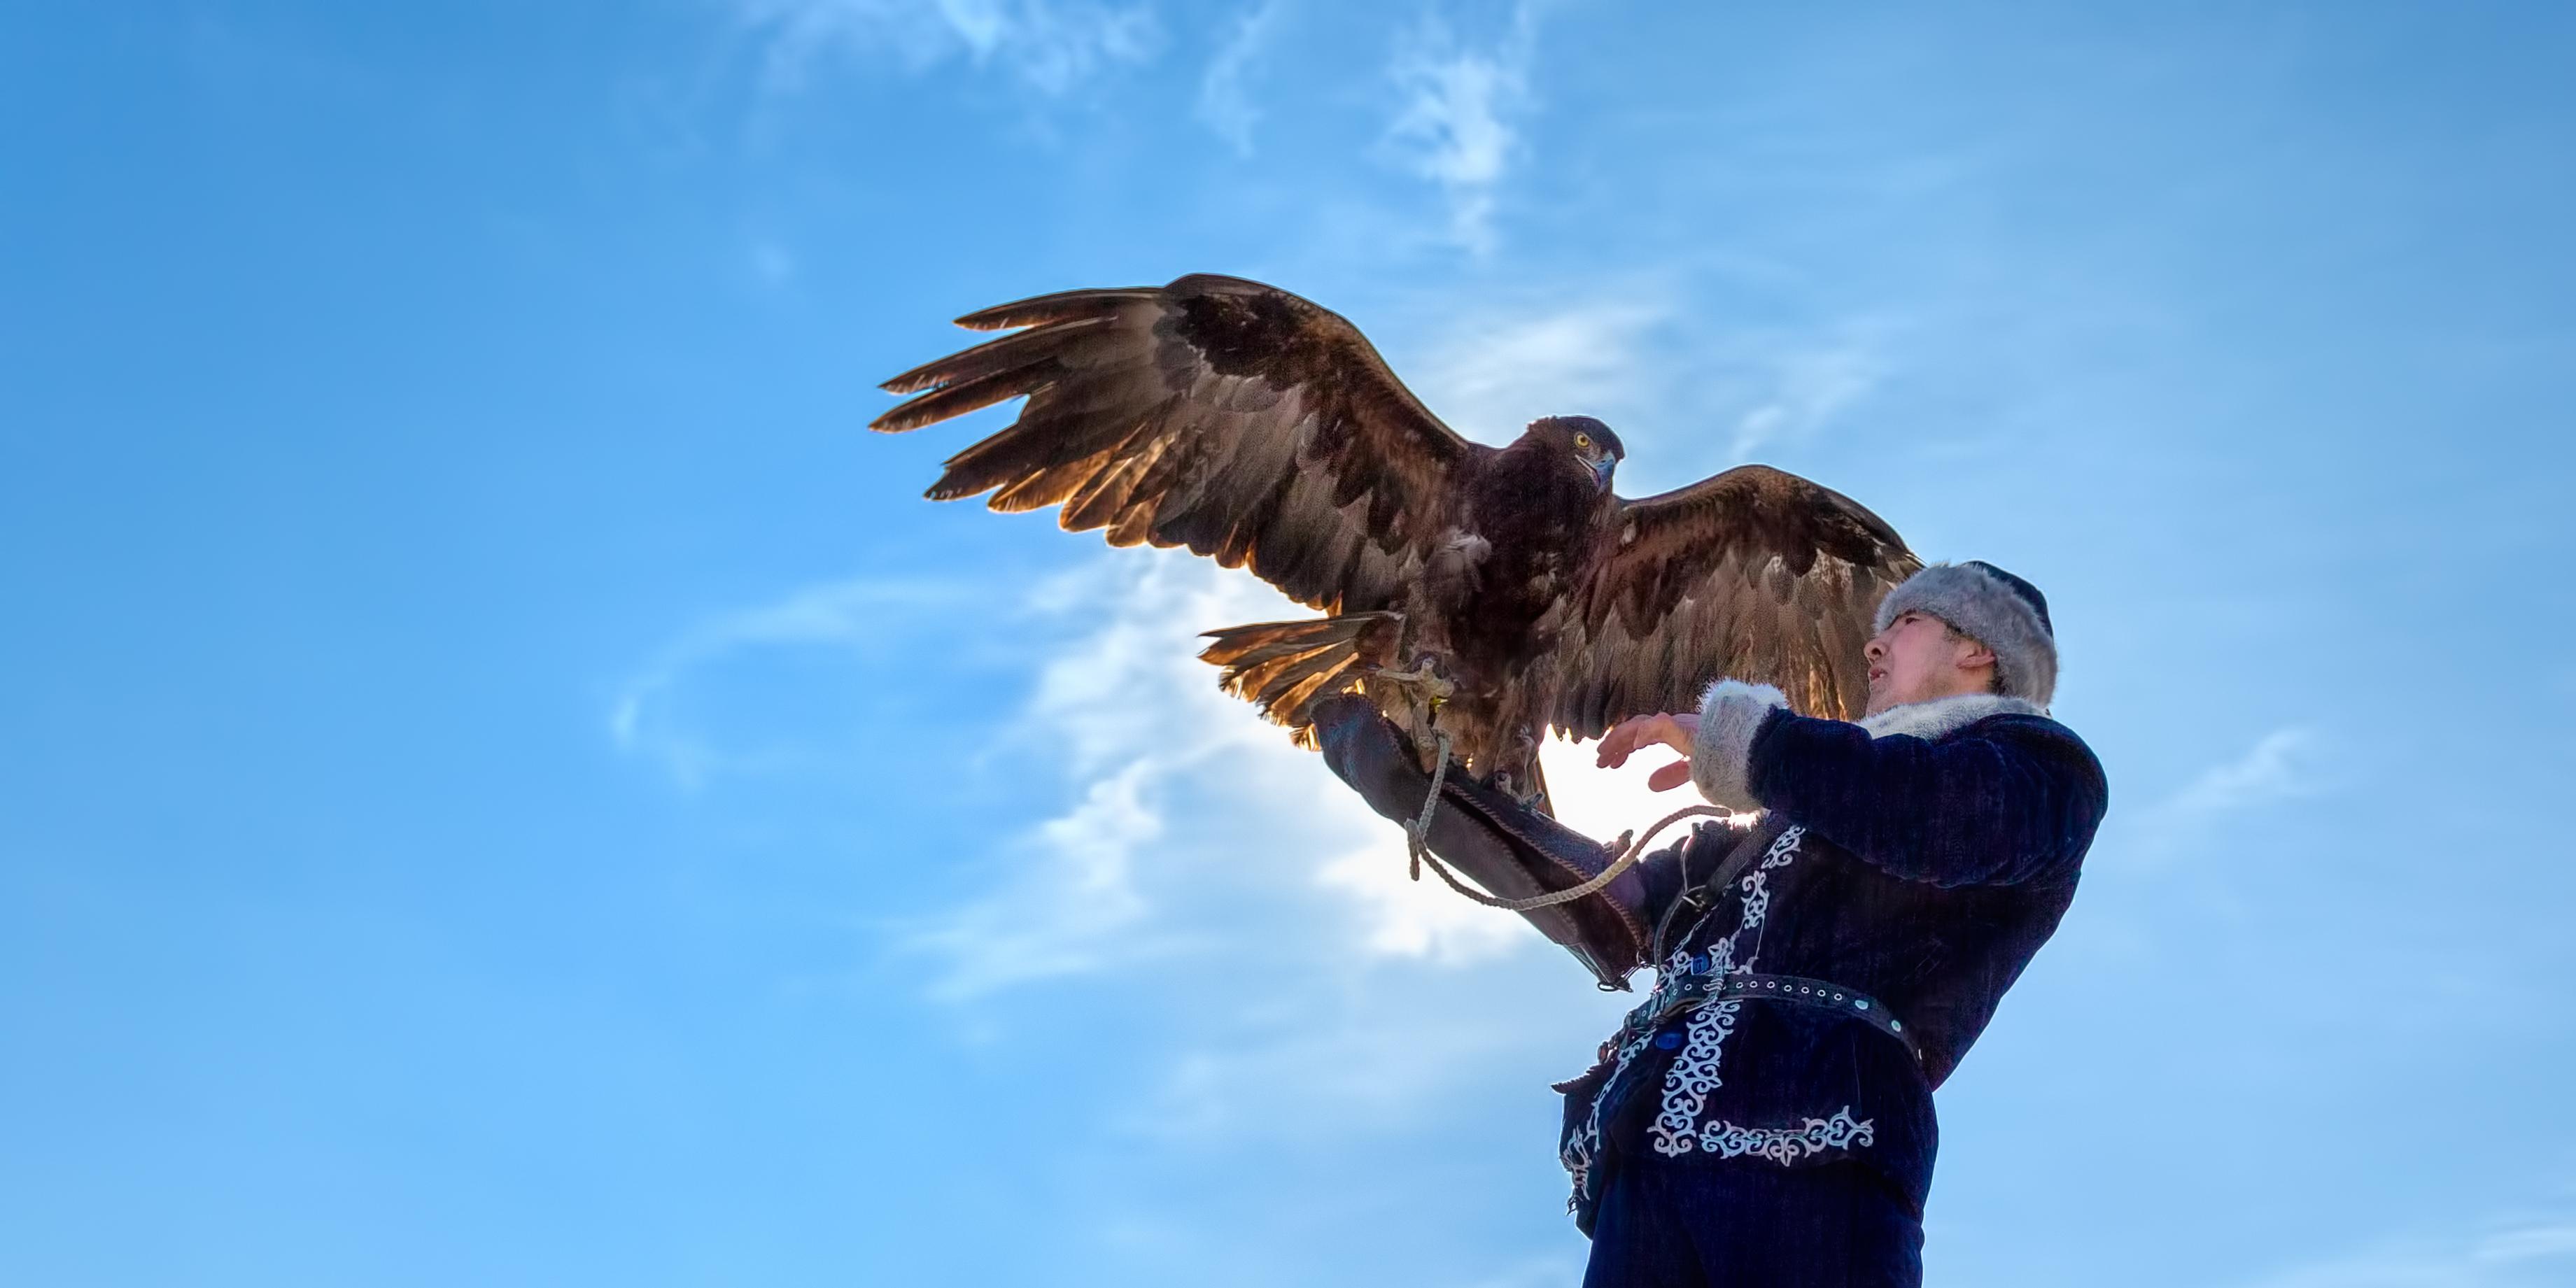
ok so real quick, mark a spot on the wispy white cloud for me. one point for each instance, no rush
(1808, 386)
(2276, 767)
(1199, 845)
(1507, 368)
(1049, 45)
(1458, 124)
(1200, 849)
(1225, 103)
(848, 615)
(1072, 905)
(2529, 1240)
(1144, 736)
(2521, 1251)
(2284, 764)
(1689, 393)
(1401, 917)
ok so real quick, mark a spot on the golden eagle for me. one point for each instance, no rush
(1486, 592)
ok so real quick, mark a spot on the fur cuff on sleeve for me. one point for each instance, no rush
(1722, 750)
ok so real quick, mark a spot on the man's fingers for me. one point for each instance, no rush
(1618, 743)
(1670, 776)
(1627, 737)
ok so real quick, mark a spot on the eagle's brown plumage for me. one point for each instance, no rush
(1755, 573)
(1253, 426)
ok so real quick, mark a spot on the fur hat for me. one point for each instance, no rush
(1997, 609)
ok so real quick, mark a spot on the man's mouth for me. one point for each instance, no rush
(1876, 675)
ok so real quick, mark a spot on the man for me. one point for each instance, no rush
(1765, 1116)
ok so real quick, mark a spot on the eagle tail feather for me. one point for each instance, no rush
(1283, 667)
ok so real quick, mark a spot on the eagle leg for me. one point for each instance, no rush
(1413, 699)
(1429, 685)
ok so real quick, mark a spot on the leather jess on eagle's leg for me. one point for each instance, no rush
(1512, 851)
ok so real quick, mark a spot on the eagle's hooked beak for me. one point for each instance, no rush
(1601, 471)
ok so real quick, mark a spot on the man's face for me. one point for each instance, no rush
(1918, 658)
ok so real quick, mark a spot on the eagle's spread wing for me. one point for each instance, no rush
(1215, 413)
(1754, 574)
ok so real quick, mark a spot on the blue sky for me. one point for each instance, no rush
(508, 784)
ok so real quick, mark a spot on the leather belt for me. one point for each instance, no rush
(1694, 989)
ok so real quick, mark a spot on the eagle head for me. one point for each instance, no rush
(1584, 443)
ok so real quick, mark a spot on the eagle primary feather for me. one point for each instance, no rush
(1255, 427)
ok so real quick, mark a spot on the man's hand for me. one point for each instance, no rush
(1633, 735)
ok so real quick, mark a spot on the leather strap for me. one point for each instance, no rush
(1702, 896)
(1511, 851)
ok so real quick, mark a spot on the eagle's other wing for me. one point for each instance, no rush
(1215, 413)
(1755, 574)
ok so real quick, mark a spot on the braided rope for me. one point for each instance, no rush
(1418, 844)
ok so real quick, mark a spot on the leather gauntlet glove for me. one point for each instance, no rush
(1512, 851)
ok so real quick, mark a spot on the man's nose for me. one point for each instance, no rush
(1875, 649)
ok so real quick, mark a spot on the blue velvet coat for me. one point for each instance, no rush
(1920, 861)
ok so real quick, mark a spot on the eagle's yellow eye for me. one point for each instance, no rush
(1583, 442)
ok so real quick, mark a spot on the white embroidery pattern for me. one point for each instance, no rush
(1677, 1129)
(1756, 884)
(1788, 1144)
(1584, 1143)
(1692, 1077)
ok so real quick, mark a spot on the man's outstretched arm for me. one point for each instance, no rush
(2016, 798)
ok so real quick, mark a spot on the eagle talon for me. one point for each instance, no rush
(1425, 679)
(1534, 797)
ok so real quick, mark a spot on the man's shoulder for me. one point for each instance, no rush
(2041, 736)
(2014, 725)
(2023, 726)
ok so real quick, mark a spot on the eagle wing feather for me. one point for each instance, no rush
(1754, 573)
(1221, 414)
